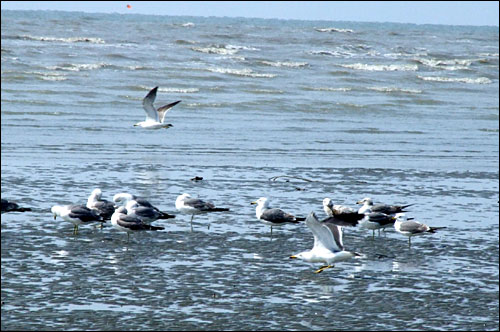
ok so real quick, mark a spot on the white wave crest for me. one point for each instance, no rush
(178, 90)
(329, 89)
(79, 66)
(66, 40)
(452, 64)
(285, 64)
(240, 72)
(333, 30)
(362, 66)
(479, 80)
(215, 50)
(393, 89)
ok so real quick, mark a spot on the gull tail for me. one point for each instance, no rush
(165, 215)
(434, 229)
(405, 206)
(154, 228)
(22, 209)
(219, 209)
(300, 219)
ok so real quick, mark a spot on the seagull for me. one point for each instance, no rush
(12, 207)
(103, 207)
(341, 215)
(123, 198)
(377, 220)
(155, 117)
(129, 223)
(145, 213)
(328, 247)
(76, 214)
(185, 204)
(387, 209)
(273, 217)
(411, 228)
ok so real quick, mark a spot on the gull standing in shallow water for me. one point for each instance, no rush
(185, 204)
(341, 215)
(383, 208)
(102, 207)
(129, 223)
(123, 199)
(76, 214)
(273, 217)
(411, 228)
(328, 247)
(155, 117)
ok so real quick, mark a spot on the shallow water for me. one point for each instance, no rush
(401, 113)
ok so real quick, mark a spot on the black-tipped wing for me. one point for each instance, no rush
(83, 213)
(164, 109)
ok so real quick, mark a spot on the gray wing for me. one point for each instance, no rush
(83, 213)
(130, 222)
(277, 216)
(413, 227)
(199, 204)
(164, 109)
(147, 104)
(105, 208)
(146, 212)
(143, 202)
(381, 218)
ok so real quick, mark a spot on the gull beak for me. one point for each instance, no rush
(253, 203)
(293, 257)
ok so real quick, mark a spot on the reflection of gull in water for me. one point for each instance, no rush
(328, 247)
(273, 216)
(76, 214)
(123, 198)
(185, 204)
(103, 207)
(383, 208)
(130, 223)
(154, 117)
(411, 228)
(12, 207)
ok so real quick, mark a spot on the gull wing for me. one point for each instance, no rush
(277, 216)
(328, 236)
(164, 109)
(147, 103)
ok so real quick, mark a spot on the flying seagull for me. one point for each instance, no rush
(155, 117)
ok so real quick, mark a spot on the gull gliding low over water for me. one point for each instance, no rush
(155, 117)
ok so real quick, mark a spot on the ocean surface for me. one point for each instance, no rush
(400, 113)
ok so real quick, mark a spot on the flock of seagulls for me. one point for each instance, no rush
(129, 213)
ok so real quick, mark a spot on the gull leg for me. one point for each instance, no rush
(128, 236)
(321, 269)
(409, 241)
(192, 222)
(379, 232)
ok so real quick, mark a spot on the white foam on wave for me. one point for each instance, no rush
(79, 66)
(179, 90)
(333, 30)
(362, 66)
(66, 40)
(451, 64)
(239, 72)
(329, 89)
(479, 80)
(285, 64)
(215, 50)
(393, 89)
(48, 76)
